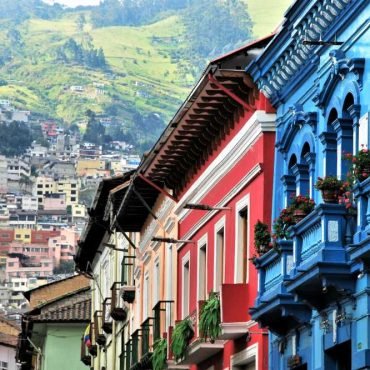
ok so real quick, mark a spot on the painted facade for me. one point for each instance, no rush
(314, 293)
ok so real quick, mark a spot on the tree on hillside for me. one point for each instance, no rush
(80, 22)
(95, 131)
(15, 138)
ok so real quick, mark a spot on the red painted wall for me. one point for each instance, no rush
(260, 192)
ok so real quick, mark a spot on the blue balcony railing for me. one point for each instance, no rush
(360, 250)
(320, 237)
(274, 267)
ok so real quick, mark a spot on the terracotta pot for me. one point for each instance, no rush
(299, 215)
(330, 196)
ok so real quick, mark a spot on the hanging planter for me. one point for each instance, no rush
(128, 293)
(159, 357)
(181, 336)
(210, 318)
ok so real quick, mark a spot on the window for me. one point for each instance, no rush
(156, 282)
(242, 238)
(169, 282)
(146, 296)
(185, 285)
(202, 268)
(219, 265)
(73, 199)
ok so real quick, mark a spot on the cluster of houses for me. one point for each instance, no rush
(242, 239)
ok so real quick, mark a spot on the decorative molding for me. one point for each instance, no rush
(251, 175)
(340, 67)
(297, 119)
(293, 61)
(259, 122)
(151, 229)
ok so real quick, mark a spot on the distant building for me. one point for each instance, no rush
(9, 332)
(60, 312)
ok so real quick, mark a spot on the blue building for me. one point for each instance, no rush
(314, 290)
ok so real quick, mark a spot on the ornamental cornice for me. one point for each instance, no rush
(295, 122)
(313, 26)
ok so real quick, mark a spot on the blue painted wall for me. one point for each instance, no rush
(319, 314)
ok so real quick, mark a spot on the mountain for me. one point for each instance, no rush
(133, 62)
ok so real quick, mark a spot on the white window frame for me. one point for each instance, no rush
(156, 281)
(243, 203)
(221, 224)
(146, 295)
(185, 260)
(245, 357)
(202, 242)
(169, 283)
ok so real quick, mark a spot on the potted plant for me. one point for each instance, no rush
(301, 207)
(331, 188)
(159, 357)
(282, 224)
(210, 319)
(360, 164)
(181, 336)
(262, 238)
(128, 293)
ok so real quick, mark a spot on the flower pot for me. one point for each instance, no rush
(330, 196)
(299, 215)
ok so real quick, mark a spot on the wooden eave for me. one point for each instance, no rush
(197, 134)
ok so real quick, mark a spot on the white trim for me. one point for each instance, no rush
(203, 241)
(248, 178)
(245, 357)
(221, 224)
(258, 123)
(240, 205)
(184, 261)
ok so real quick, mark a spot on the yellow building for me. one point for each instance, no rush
(90, 167)
(47, 185)
(22, 235)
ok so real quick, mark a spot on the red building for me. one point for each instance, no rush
(221, 145)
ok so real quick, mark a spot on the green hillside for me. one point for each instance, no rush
(146, 70)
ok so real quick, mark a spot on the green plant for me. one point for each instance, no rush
(159, 357)
(360, 164)
(303, 203)
(209, 318)
(181, 336)
(330, 183)
(282, 224)
(262, 237)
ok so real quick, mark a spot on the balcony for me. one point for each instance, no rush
(127, 291)
(360, 250)
(199, 350)
(161, 312)
(99, 336)
(84, 356)
(118, 311)
(320, 272)
(107, 320)
(276, 308)
(141, 355)
(234, 310)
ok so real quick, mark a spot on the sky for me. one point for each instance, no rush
(73, 3)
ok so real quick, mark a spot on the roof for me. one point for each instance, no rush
(49, 292)
(97, 224)
(9, 332)
(68, 312)
(204, 119)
